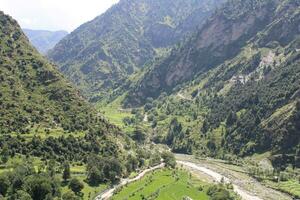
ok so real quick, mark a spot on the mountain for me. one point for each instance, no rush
(101, 54)
(221, 38)
(44, 40)
(47, 130)
(233, 86)
(32, 91)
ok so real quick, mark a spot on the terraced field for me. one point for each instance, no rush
(164, 185)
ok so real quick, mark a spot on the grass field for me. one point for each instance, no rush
(164, 185)
(114, 113)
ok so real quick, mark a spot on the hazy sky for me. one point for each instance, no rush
(54, 14)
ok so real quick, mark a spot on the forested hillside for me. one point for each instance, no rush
(233, 88)
(44, 40)
(52, 142)
(33, 92)
(99, 55)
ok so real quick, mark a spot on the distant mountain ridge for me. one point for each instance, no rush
(44, 40)
(101, 54)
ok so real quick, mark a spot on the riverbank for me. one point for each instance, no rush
(244, 185)
(109, 192)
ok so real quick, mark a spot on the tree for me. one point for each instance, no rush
(67, 172)
(139, 135)
(218, 192)
(94, 176)
(155, 159)
(175, 130)
(4, 184)
(51, 168)
(4, 154)
(20, 194)
(39, 187)
(205, 127)
(298, 105)
(132, 163)
(113, 170)
(231, 119)
(76, 186)
(127, 121)
(169, 159)
(69, 196)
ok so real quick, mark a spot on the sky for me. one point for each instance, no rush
(54, 14)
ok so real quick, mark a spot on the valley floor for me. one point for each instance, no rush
(247, 187)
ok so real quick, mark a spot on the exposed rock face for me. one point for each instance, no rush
(101, 53)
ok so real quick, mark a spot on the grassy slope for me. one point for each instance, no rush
(114, 113)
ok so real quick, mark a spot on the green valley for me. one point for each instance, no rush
(99, 56)
(152, 99)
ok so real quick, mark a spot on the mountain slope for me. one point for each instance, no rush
(100, 54)
(44, 40)
(221, 38)
(232, 95)
(32, 91)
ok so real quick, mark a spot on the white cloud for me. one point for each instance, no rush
(54, 14)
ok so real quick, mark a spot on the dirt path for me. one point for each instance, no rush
(109, 193)
(181, 96)
(245, 186)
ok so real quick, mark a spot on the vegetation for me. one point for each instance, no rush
(218, 192)
(229, 91)
(25, 182)
(164, 184)
(33, 94)
(67, 172)
(43, 118)
(76, 186)
(100, 55)
(235, 103)
(169, 159)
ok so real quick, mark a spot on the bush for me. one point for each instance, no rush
(69, 196)
(22, 195)
(218, 192)
(169, 159)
